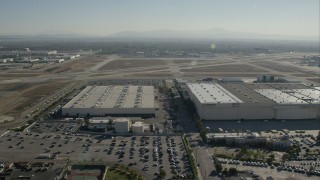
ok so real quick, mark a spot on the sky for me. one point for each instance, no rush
(105, 17)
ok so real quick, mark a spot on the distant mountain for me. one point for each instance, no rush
(216, 34)
(204, 34)
(46, 37)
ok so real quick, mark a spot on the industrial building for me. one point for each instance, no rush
(98, 123)
(112, 101)
(237, 139)
(122, 125)
(260, 101)
(59, 60)
(138, 127)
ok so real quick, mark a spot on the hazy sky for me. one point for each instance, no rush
(103, 17)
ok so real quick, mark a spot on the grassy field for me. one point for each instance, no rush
(25, 95)
(120, 172)
(113, 175)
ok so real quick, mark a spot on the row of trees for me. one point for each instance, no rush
(197, 120)
(191, 157)
(232, 171)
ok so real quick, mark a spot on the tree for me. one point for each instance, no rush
(110, 123)
(307, 150)
(271, 156)
(233, 171)
(218, 167)
(86, 122)
(162, 173)
(225, 171)
(311, 168)
(284, 158)
(318, 137)
(270, 159)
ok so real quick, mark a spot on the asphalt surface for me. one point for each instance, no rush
(26, 146)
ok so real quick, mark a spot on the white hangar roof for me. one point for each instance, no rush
(114, 97)
(212, 93)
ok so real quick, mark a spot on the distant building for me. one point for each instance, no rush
(52, 52)
(29, 60)
(53, 60)
(140, 53)
(155, 53)
(72, 57)
(265, 78)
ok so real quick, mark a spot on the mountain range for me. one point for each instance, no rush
(217, 34)
(205, 34)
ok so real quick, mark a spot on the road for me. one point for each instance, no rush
(203, 156)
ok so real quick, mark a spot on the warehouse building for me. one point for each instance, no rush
(122, 125)
(240, 101)
(138, 127)
(236, 138)
(112, 101)
(98, 123)
(251, 139)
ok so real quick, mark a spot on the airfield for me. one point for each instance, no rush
(23, 89)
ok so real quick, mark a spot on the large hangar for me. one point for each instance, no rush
(112, 101)
(237, 101)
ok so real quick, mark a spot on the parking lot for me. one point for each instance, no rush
(146, 154)
(305, 165)
(57, 127)
(163, 115)
(25, 170)
(263, 170)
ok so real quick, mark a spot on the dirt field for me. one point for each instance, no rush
(225, 68)
(76, 65)
(273, 67)
(168, 74)
(8, 76)
(123, 64)
(230, 74)
(23, 95)
(302, 75)
(283, 68)
(316, 80)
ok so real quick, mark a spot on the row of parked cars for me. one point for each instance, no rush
(257, 164)
(244, 163)
(175, 161)
(298, 169)
(308, 158)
